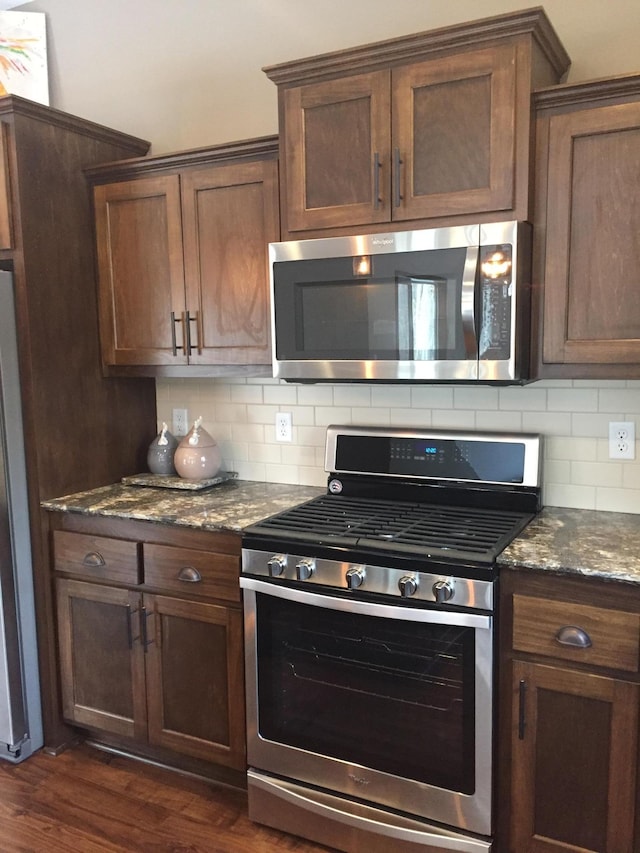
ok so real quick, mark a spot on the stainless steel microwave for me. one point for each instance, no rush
(435, 305)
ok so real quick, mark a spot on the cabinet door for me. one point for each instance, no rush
(337, 149)
(592, 257)
(230, 216)
(454, 134)
(140, 270)
(195, 684)
(574, 761)
(101, 661)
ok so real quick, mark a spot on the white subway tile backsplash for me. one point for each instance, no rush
(467, 397)
(573, 417)
(454, 419)
(499, 421)
(246, 393)
(390, 395)
(527, 398)
(570, 448)
(432, 397)
(281, 395)
(618, 500)
(559, 494)
(625, 400)
(315, 395)
(352, 395)
(371, 416)
(597, 473)
(572, 400)
(326, 415)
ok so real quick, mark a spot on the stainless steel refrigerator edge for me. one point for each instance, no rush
(20, 710)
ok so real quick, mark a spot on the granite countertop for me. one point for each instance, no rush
(559, 540)
(579, 542)
(232, 505)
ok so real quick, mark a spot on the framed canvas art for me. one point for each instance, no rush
(23, 55)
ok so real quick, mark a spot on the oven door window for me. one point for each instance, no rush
(407, 308)
(390, 695)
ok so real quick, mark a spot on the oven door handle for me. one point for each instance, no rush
(367, 608)
(426, 837)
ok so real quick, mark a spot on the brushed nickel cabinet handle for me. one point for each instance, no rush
(189, 575)
(376, 181)
(94, 560)
(573, 636)
(397, 162)
(174, 320)
(188, 321)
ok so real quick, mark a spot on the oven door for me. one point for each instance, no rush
(385, 704)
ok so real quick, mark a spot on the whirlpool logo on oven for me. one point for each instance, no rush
(359, 780)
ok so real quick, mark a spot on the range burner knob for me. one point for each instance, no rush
(277, 565)
(354, 577)
(408, 586)
(305, 568)
(442, 591)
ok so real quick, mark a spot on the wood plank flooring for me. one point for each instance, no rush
(89, 801)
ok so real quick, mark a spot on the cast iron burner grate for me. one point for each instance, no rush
(423, 530)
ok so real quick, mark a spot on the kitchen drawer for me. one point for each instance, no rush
(190, 572)
(97, 557)
(539, 624)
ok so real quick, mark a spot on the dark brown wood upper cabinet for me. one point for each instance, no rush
(434, 126)
(587, 222)
(182, 258)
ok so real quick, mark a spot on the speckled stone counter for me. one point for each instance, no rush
(579, 542)
(229, 506)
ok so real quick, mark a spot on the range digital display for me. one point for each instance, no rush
(441, 458)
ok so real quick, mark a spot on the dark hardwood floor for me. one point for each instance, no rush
(89, 801)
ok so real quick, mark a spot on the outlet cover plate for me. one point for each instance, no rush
(622, 440)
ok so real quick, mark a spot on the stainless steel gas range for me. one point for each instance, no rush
(369, 628)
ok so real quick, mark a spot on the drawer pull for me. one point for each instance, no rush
(93, 560)
(570, 635)
(189, 575)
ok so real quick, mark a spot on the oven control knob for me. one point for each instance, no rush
(304, 569)
(277, 565)
(442, 591)
(354, 577)
(408, 586)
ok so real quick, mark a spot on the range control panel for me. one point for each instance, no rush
(510, 459)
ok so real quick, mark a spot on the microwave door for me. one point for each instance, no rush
(436, 325)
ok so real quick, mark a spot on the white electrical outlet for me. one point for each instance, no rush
(622, 440)
(283, 426)
(180, 422)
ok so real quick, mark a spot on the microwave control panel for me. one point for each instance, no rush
(496, 309)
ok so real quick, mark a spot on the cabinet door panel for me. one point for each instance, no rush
(195, 699)
(454, 128)
(140, 267)
(591, 309)
(102, 667)
(230, 216)
(574, 753)
(334, 132)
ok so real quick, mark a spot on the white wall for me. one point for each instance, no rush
(188, 74)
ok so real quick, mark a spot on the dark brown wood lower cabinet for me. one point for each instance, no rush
(157, 669)
(574, 761)
(192, 650)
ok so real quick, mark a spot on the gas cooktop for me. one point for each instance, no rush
(443, 496)
(421, 530)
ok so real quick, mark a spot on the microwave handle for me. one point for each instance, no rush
(468, 302)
